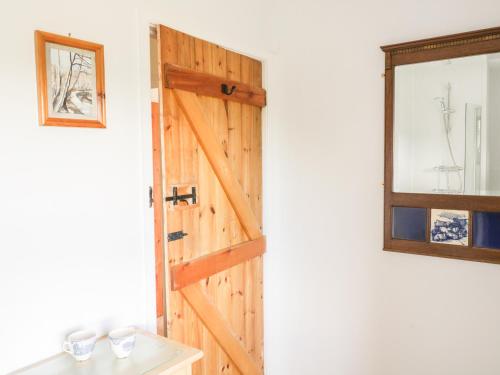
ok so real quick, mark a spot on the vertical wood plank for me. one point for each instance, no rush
(158, 211)
(171, 134)
(164, 51)
(256, 203)
(247, 123)
(192, 328)
(220, 291)
(237, 235)
(208, 233)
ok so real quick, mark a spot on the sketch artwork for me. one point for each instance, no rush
(71, 82)
(450, 227)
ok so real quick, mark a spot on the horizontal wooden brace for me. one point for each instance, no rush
(187, 273)
(219, 327)
(177, 77)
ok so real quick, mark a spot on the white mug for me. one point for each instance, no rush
(122, 341)
(80, 344)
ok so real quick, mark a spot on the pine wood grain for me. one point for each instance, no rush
(158, 211)
(220, 329)
(214, 224)
(177, 77)
(216, 155)
(190, 272)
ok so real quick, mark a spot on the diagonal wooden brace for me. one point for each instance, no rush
(193, 110)
(220, 329)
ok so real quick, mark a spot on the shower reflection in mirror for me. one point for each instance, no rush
(446, 126)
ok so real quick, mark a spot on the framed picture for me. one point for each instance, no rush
(70, 81)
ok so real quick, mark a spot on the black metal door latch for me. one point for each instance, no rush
(151, 199)
(174, 236)
(176, 198)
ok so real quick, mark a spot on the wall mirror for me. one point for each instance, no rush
(447, 126)
(442, 151)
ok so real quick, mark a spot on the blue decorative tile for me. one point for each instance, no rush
(450, 227)
(409, 223)
(486, 229)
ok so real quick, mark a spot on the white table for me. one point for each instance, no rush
(153, 355)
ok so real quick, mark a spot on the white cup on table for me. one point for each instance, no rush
(80, 344)
(122, 341)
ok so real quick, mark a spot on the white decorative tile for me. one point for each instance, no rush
(450, 227)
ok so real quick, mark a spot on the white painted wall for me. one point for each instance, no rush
(73, 248)
(335, 303)
(71, 220)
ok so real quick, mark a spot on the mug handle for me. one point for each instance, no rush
(67, 347)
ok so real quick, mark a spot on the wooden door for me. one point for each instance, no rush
(210, 115)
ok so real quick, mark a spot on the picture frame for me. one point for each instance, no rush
(70, 81)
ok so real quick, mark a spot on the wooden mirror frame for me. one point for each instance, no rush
(440, 48)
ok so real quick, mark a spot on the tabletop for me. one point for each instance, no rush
(152, 355)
